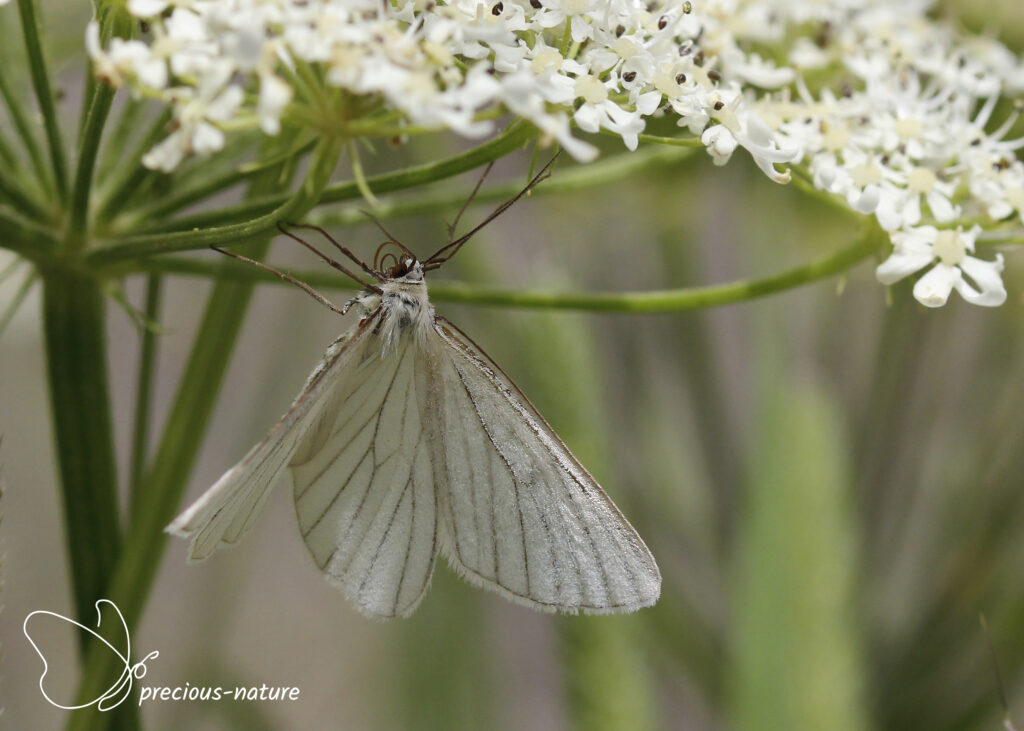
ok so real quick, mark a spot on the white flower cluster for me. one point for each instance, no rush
(867, 99)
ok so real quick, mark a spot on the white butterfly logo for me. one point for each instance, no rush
(122, 687)
(408, 441)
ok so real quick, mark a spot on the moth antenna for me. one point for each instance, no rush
(476, 189)
(344, 270)
(286, 277)
(449, 250)
(359, 262)
(392, 238)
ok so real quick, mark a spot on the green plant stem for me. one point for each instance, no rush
(144, 387)
(128, 121)
(9, 157)
(181, 235)
(295, 206)
(75, 330)
(580, 177)
(25, 237)
(24, 128)
(802, 181)
(130, 174)
(31, 29)
(13, 192)
(209, 186)
(92, 133)
(17, 300)
(180, 442)
(669, 300)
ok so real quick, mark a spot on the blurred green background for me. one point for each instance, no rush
(832, 483)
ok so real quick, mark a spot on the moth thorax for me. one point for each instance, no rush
(406, 309)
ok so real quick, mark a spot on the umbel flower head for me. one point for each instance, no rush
(874, 102)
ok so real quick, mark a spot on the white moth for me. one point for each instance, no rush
(408, 441)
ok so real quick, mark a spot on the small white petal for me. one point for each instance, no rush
(900, 265)
(147, 8)
(207, 139)
(932, 290)
(985, 274)
(648, 103)
(588, 118)
(942, 209)
(865, 201)
(275, 95)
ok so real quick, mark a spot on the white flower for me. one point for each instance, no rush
(899, 121)
(125, 60)
(195, 119)
(952, 267)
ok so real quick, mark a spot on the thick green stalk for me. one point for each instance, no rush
(74, 326)
(180, 442)
(668, 300)
(144, 387)
(31, 29)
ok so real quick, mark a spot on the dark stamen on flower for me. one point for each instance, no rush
(715, 75)
(496, 10)
(662, 22)
(680, 78)
(719, 106)
(629, 76)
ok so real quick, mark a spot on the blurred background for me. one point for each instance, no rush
(832, 481)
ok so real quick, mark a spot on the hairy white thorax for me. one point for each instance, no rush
(404, 304)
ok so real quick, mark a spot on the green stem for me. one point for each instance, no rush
(25, 237)
(31, 28)
(92, 133)
(13, 192)
(668, 300)
(359, 176)
(17, 300)
(128, 121)
(150, 243)
(180, 442)
(75, 329)
(23, 126)
(802, 181)
(580, 177)
(210, 186)
(9, 157)
(131, 173)
(141, 246)
(691, 142)
(144, 387)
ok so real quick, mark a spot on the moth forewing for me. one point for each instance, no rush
(228, 509)
(519, 514)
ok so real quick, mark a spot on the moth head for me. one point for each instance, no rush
(397, 262)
